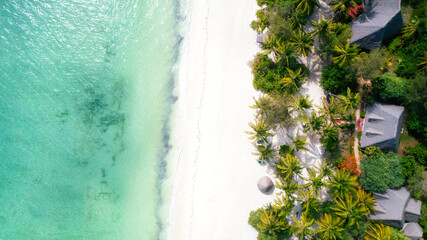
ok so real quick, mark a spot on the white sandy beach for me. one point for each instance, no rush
(215, 177)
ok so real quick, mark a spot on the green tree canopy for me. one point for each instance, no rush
(382, 172)
(330, 228)
(390, 88)
(345, 54)
(336, 79)
(302, 42)
(342, 184)
(260, 131)
(371, 65)
(274, 110)
(416, 106)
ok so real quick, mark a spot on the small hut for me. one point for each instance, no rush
(265, 185)
(413, 231)
(260, 39)
(382, 126)
(381, 20)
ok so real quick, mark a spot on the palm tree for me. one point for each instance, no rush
(298, 142)
(342, 6)
(283, 205)
(270, 42)
(310, 203)
(413, 28)
(338, 28)
(262, 103)
(350, 101)
(306, 6)
(302, 227)
(314, 180)
(331, 110)
(345, 54)
(260, 131)
(342, 184)
(329, 227)
(423, 64)
(288, 186)
(350, 210)
(365, 200)
(302, 42)
(313, 124)
(284, 51)
(330, 138)
(379, 232)
(264, 152)
(322, 29)
(301, 103)
(297, 20)
(296, 78)
(289, 167)
(271, 223)
(325, 169)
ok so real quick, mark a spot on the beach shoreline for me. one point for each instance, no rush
(212, 171)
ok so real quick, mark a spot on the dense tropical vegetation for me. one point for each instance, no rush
(332, 200)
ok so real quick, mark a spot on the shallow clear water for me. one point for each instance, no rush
(84, 89)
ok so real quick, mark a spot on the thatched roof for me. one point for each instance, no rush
(412, 230)
(265, 184)
(381, 127)
(260, 38)
(393, 205)
(381, 20)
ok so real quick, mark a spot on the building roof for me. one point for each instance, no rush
(414, 207)
(382, 125)
(390, 205)
(380, 20)
(412, 230)
(260, 38)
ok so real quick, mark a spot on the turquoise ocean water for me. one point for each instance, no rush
(85, 91)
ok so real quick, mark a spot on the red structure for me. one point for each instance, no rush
(353, 10)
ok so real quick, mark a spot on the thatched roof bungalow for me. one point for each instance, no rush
(381, 20)
(382, 126)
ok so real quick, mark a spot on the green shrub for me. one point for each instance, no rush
(409, 58)
(275, 110)
(407, 67)
(395, 45)
(390, 89)
(267, 74)
(339, 37)
(423, 218)
(329, 139)
(382, 172)
(255, 221)
(370, 65)
(416, 106)
(336, 79)
(254, 218)
(325, 207)
(415, 182)
(362, 114)
(419, 152)
(285, 149)
(262, 21)
(408, 166)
